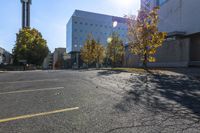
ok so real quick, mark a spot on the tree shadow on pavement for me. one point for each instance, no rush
(108, 72)
(175, 95)
(161, 90)
(192, 71)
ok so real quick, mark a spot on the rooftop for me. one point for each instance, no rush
(98, 16)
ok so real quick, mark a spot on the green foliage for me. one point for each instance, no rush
(92, 51)
(115, 50)
(30, 46)
(144, 36)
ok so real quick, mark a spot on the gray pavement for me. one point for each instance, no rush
(97, 102)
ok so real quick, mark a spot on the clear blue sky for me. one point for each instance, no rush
(51, 16)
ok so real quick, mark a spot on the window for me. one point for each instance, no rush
(75, 22)
(86, 23)
(81, 22)
(161, 2)
(91, 24)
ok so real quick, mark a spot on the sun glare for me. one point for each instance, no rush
(115, 23)
(123, 3)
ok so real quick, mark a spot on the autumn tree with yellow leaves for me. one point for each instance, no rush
(115, 50)
(99, 53)
(30, 46)
(92, 52)
(144, 37)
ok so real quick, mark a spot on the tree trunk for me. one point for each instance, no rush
(114, 59)
(145, 59)
(145, 62)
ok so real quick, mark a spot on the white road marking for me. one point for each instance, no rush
(25, 91)
(29, 81)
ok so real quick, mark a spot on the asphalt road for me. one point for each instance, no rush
(75, 102)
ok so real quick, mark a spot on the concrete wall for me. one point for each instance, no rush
(195, 50)
(180, 15)
(174, 53)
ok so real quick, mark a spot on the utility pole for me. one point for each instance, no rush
(26, 13)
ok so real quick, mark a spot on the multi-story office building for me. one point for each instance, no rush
(1, 55)
(176, 15)
(148, 4)
(58, 58)
(48, 61)
(5, 57)
(83, 23)
(181, 20)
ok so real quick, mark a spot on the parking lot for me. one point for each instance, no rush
(97, 101)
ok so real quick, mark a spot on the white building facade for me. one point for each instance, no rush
(5, 57)
(1, 55)
(83, 23)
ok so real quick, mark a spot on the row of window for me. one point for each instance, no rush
(76, 30)
(96, 25)
(101, 33)
(81, 23)
(161, 2)
(83, 39)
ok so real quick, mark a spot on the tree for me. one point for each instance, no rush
(92, 51)
(87, 54)
(30, 46)
(99, 53)
(144, 37)
(115, 50)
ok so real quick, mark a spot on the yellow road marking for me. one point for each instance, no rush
(28, 81)
(24, 91)
(39, 114)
